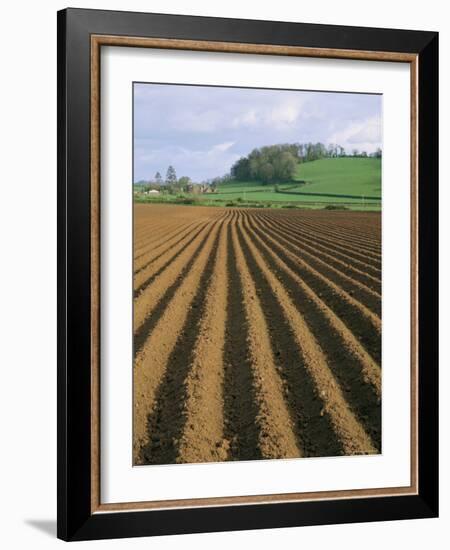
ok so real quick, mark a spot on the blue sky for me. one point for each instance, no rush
(203, 130)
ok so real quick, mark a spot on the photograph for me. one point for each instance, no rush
(247, 261)
(257, 273)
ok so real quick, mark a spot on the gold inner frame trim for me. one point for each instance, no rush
(97, 41)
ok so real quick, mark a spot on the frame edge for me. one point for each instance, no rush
(106, 525)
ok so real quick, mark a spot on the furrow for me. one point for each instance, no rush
(162, 298)
(330, 224)
(351, 434)
(152, 360)
(358, 374)
(371, 369)
(142, 226)
(165, 243)
(146, 276)
(314, 432)
(348, 221)
(241, 427)
(344, 255)
(369, 290)
(356, 244)
(172, 228)
(277, 438)
(203, 437)
(140, 234)
(370, 313)
(167, 422)
(364, 324)
(349, 253)
(354, 241)
(149, 297)
(156, 236)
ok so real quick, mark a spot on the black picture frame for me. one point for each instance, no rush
(75, 518)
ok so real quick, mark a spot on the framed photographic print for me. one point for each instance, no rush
(247, 274)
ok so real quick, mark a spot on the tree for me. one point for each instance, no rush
(171, 176)
(266, 172)
(240, 169)
(288, 165)
(273, 163)
(184, 181)
(254, 166)
(158, 178)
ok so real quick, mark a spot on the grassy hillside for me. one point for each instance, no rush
(331, 180)
(342, 176)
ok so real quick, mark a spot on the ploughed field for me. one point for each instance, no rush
(257, 334)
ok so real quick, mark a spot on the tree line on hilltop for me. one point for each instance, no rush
(278, 163)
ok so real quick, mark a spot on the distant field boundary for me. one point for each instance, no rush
(330, 195)
(254, 204)
(302, 193)
(237, 192)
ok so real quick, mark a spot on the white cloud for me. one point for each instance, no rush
(247, 119)
(365, 135)
(223, 146)
(369, 132)
(200, 121)
(285, 113)
(276, 114)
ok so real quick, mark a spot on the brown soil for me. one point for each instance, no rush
(257, 334)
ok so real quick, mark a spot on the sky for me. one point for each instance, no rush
(203, 130)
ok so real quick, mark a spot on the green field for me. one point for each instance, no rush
(351, 182)
(359, 177)
(337, 180)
